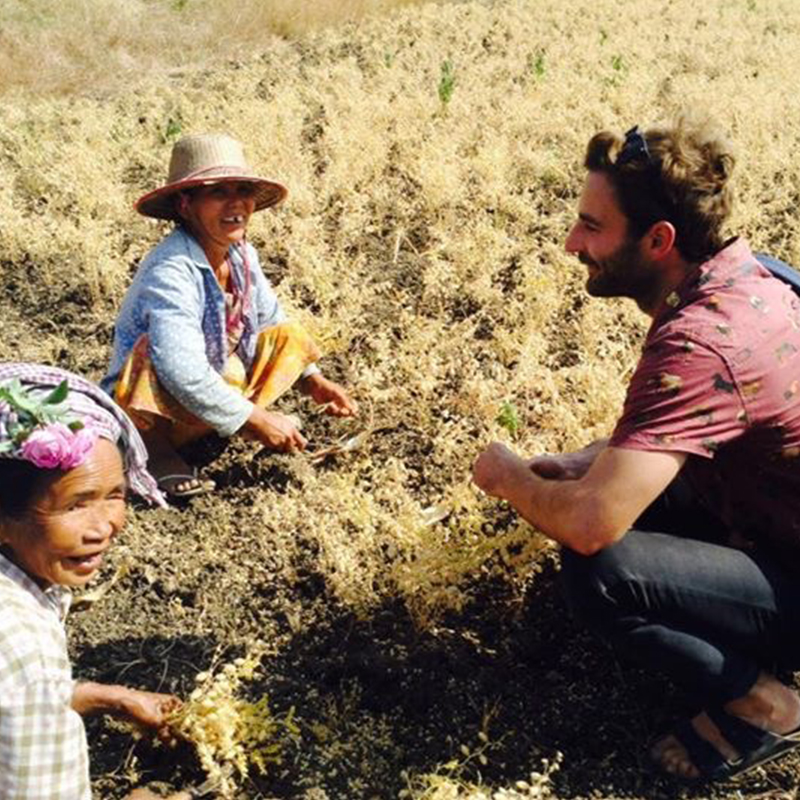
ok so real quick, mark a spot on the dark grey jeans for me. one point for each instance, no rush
(670, 597)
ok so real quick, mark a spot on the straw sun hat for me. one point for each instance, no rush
(202, 160)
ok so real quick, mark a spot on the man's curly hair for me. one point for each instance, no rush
(681, 177)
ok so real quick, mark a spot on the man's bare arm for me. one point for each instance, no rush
(588, 513)
(567, 466)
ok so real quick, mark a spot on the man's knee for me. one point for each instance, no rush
(596, 586)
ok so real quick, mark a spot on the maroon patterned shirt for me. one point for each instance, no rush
(719, 380)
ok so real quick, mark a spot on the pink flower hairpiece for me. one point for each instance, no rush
(40, 430)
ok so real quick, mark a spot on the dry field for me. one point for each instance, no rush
(433, 158)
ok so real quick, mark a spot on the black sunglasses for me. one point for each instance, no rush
(634, 149)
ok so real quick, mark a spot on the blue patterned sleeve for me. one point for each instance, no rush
(178, 351)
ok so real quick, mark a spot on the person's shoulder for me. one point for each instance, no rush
(177, 249)
(690, 324)
(252, 256)
(22, 654)
(261, 281)
(679, 348)
(171, 261)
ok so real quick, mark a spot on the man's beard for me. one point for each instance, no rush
(623, 274)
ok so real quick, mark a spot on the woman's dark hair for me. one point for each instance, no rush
(189, 193)
(677, 174)
(20, 482)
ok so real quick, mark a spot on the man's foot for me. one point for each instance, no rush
(769, 708)
(671, 755)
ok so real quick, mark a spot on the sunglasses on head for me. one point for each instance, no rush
(634, 148)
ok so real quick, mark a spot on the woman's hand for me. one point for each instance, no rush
(145, 709)
(149, 710)
(330, 394)
(275, 431)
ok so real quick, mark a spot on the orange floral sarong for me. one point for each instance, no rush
(282, 353)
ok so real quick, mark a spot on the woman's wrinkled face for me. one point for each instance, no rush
(72, 521)
(218, 214)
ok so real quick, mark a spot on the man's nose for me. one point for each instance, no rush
(573, 241)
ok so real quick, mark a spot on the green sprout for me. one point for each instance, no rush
(172, 130)
(620, 70)
(508, 417)
(447, 81)
(536, 64)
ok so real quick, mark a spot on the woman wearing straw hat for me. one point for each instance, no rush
(201, 342)
(67, 457)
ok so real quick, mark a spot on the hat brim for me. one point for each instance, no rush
(160, 203)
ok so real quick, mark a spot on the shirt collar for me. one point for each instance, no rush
(706, 276)
(198, 255)
(55, 598)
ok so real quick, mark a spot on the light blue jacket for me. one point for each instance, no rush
(176, 299)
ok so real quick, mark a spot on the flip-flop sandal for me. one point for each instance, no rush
(169, 483)
(755, 746)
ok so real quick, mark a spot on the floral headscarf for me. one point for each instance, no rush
(52, 418)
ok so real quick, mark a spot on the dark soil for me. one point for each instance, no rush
(377, 699)
(511, 678)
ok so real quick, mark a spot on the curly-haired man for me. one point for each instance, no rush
(681, 532)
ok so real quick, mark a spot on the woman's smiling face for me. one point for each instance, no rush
(218, 214)
(72, 520)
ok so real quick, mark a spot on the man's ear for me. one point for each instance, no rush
(660, 239)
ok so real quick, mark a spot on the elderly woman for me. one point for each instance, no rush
(67, 458)
(201, 343)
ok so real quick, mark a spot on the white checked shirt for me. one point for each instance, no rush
(43, 753)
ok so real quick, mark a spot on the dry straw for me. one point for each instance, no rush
(65, 47)
(421, 240)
